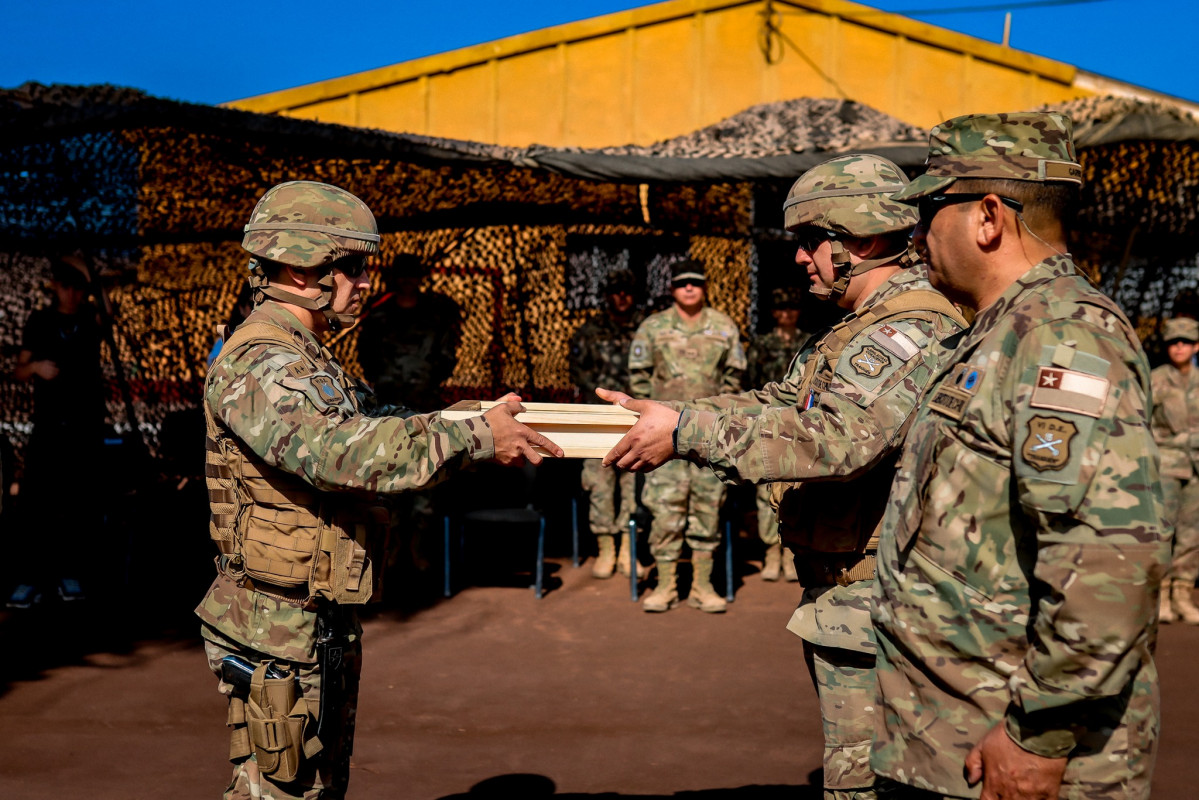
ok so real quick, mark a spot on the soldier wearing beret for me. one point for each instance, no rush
(1176, 431)
(1025, 539)
(293, 462)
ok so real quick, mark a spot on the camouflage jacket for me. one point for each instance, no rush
(408, 353)
(673, 359)
(599, 354)
(852, 430)
(1022, 548)
(770, 355)
(1176, 420)
(307, 424)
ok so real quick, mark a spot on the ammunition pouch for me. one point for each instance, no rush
(832, 516)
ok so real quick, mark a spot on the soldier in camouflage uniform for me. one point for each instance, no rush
(292, 463)
(1025, 539)
(1176, 431)
(769, 357)
(599, 356)
(688, 350)
(835, 424)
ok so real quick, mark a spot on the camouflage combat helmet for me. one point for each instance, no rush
(308, 225)
(851, 196)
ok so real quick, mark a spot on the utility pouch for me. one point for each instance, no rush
(276, 721)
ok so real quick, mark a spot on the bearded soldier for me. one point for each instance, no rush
(1024, 540)
(599, 356)
(835, 424)
(292, 463)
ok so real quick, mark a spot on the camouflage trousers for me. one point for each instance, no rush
(613, 496)
(1182, 507)
(768, 521)
(685, 501)
(324, 776)
(844, 681)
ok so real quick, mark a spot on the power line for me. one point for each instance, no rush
(924, 12)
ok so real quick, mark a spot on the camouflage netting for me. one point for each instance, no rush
(155, 193)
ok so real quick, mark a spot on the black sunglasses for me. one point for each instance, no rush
(931, 204)
(811, 237)
(688, 282)
(351, 266)
(1172, 342)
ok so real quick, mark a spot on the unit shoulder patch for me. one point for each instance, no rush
(327, 390)
(870, 361)
(1047, 446)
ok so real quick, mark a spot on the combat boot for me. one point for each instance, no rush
(1165, 606)
(789, 566)
(772, 565)
(1184, 608)
(702, 595)
(605, 560)
(665, 595)
(625, 557)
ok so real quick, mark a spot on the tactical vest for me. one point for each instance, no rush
(844, 517)
(276, 533)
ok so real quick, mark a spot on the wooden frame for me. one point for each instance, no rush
(582, 431)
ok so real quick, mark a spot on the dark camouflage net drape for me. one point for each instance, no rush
(156, 201)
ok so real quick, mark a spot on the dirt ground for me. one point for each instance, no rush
(491, 693)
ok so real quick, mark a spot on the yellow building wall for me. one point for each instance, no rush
(666, 69)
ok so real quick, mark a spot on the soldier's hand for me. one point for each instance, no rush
(1010, 772)
(612, 396)
(514, 442)
(650, 442)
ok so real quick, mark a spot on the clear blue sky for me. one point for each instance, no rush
(218, 51)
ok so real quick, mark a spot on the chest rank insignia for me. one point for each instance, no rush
(870, 361)
(328, 391)
(1048, 444)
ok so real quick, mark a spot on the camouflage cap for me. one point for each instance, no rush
(308, 224)
(1181, 328)
(786, 297)
(687, 269)
(1026, 146)
(851, 195)
(620, 280)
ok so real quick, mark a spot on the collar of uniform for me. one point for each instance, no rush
(275, 314)
(1058, 266)
(911, 278)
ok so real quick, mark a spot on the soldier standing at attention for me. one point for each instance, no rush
(836, 424)
(769, 356)
(1176, 431)
(1025, 539)
(292, 463)
(599, 356)
(688, 350)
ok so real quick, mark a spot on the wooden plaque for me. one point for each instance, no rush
(582, 431)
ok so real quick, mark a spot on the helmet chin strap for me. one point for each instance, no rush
(845, 271)
(324, 304)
